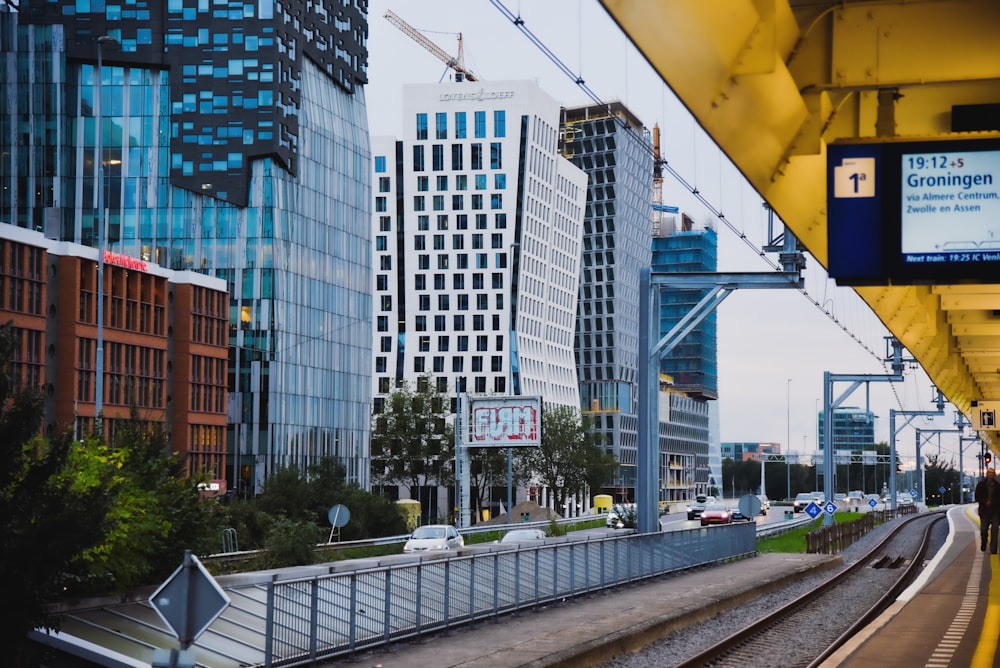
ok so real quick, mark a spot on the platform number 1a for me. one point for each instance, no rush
(854, 177)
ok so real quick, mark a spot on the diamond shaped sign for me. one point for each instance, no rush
(830, 507)
(872, 503)
(813, 510)
(189, 600)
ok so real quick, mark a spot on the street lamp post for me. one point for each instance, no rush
(99, 221)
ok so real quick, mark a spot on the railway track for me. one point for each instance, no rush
(810, 628)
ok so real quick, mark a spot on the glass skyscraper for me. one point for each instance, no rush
(233, 142)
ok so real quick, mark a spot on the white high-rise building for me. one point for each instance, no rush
(478, 225)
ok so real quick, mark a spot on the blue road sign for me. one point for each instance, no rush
(830, 507)
(942, 489)
(813, 510)
(872, 502)
(913, 493)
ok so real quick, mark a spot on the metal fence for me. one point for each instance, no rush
(341, 613)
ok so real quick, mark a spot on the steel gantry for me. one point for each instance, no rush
(718, 286)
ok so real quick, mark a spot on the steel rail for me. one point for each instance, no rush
(752, 632)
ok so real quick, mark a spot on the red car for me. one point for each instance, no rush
(716, 513)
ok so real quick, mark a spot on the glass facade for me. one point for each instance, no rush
(233, 142)
(619, 164)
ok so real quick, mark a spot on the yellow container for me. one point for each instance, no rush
(602, 503)
(410, 509)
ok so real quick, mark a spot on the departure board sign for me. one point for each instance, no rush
(914, 212)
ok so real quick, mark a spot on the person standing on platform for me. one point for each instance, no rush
(988, 498)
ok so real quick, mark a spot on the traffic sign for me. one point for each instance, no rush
(830, 507)
(942, 489)
(872, 503)
(913, 493)
(813, 510)
(189, 600)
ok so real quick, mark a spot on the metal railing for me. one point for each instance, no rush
(336, 614)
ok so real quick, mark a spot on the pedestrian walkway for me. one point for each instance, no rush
(595, 628)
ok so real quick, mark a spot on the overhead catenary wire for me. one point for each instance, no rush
(519, 23)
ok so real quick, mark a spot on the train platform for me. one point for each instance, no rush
(949, 617)
(594, 628)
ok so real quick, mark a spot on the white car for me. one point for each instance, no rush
(436, 537)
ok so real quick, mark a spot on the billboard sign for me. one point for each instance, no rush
(908, 212)
(505, 422)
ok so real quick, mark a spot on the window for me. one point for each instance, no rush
(496, 363)
(500, 301)
(380, 364)
(424, 262)
(418, 203)
(439, 323)
(421, 126)
(478, 322)
(437, 157)
(383, 323)
(482, 301)
(480, 384)
(384, 224)
(442, 262)
(501, 260)
(458, 242)
(424, 344)
(477, 203)
(438, 202)
(386, 302)
(423, 223)
(460, 131)
(499, 123)
(457, 202)
(380, 164)
(457, 363)
(500, 181)
(420, 282)
(425, 302)
(439, 281)
(385, 262)
(444, 302)
(458, 281)
(438, 242)
(496, 201)
(422, 184)
(476, 161)
(463, 343)
(458, 324)
(496, 322)
(480, 123)
(477, 241)
(481, 261)
(441, 125)
(418, 158)
(480, 182)
(461, 182)
(480, 221)
(383, 184)
(438, 364)
(477, 281)
(419, 242)
(382, 282)
(462, 221)
(381, 242)
(442, 183)
(477, 363)
(496, 155)
(496, 240)
(380, 204)
(463, 302)
(500, 221)
(456, 157)
(418, 364)
(385, 344)
(461, 261)
(443, 344)
(481, 343)
(442, 221)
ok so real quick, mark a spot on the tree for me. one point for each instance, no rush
(54, 498)
(570, 458)
(158, 512)
(412, 444)
(939, 474)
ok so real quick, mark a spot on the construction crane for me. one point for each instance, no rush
(659, 208)
(455, 63)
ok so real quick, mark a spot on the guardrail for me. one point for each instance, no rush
(337, 614)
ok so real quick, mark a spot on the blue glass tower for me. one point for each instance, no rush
(234, 142)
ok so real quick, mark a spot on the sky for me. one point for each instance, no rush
(773, 345)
